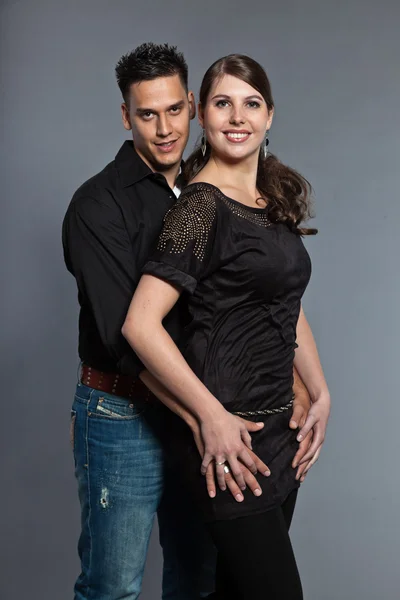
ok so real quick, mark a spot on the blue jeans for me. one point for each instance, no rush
(123, 481)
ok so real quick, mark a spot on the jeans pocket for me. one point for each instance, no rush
(115, 407)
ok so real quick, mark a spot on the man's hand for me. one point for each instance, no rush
(251, 481)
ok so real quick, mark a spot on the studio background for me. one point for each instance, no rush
(334, 68)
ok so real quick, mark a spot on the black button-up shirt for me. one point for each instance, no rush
(109, 231)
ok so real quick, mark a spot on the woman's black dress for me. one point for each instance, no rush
(245, 277)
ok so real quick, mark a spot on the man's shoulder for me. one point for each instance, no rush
(98, 186)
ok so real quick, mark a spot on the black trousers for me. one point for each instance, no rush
(255, 556)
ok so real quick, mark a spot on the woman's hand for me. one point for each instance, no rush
(226, 439)
(249, 478)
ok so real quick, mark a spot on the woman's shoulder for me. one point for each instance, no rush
(201, 191)
(198, 198)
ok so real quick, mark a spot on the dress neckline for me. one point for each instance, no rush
(252, 209)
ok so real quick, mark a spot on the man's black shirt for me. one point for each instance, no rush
(109, 231)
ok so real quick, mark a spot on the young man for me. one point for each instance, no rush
(109, 230)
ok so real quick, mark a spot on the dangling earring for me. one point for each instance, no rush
(203, 143)
(265, 151)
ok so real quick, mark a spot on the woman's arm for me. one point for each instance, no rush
(222, 433)
(309, 368)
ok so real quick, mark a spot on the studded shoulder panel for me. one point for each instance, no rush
(189, 220)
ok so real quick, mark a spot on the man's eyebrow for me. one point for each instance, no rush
(225, 97)
(141, 111)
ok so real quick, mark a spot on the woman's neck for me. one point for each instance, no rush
(240, 176)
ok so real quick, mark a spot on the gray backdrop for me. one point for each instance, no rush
(334, 68)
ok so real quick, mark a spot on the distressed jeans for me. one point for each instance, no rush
(123, 481)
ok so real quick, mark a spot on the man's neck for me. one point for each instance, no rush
(170, 174)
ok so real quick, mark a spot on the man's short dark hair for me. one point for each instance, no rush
(150, 61)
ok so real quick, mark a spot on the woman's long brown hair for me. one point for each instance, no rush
(288, 193)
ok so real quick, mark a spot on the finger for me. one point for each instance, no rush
(260, 465)
(251, 481)
(236, 471)
(308, 425)
(250, 425)
(210, 481)
(219, 469)
(246, 438)
(312, 461)
(300, 471)
(297, 417)
(246, 457)
(303, 447)
(318, 440)
(207, 458)
(233, 487)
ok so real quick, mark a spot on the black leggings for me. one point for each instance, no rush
(255, 556)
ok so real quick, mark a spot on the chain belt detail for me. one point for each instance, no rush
(266, 411)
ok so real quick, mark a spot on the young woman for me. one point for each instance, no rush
(233, 244)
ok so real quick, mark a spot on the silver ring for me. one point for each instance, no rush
(226, 469)
(220, 463)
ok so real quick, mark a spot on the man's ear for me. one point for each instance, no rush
(126, 119)
(192, 105)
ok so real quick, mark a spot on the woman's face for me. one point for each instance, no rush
(235, 119)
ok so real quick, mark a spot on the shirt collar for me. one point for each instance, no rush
(131, 168)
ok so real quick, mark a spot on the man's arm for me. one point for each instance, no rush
(98, 252)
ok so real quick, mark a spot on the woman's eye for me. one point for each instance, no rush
(254, 104)
(222, 103)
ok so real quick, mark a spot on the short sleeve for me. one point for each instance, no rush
(186, 246)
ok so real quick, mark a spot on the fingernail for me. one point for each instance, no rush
(239, 497)
(212, 494)
(293, 423)
(260, 424)
(299, 438)
(294, 464)
(267, 473)
(243, 487)
(223, 489)
(257, 492)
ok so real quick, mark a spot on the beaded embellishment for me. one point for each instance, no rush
(256, 218)
(190, 219)
(192, 216)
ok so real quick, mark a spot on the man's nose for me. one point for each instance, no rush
(164, 128)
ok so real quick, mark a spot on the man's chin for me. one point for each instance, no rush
(164, 163)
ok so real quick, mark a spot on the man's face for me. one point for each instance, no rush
(159, 112)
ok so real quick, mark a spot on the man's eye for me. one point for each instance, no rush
(175, 109)
(147, 115)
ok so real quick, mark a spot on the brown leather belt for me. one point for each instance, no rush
(126, 386)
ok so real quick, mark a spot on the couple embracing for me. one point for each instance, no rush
(201, 397)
